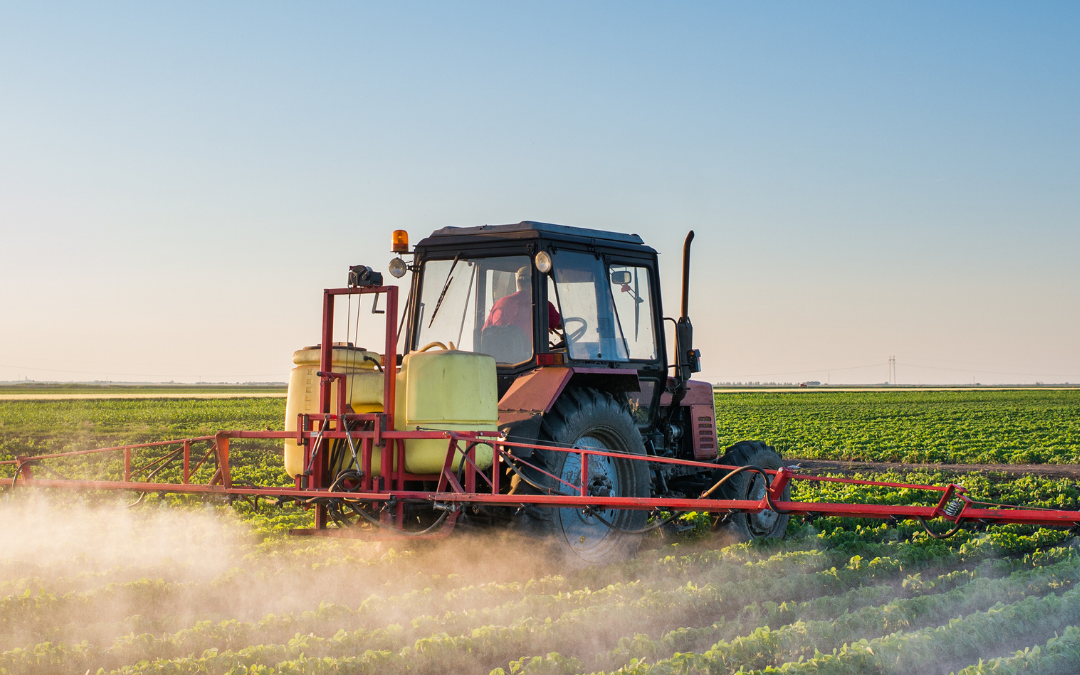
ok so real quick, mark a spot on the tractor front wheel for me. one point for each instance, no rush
(587, 418)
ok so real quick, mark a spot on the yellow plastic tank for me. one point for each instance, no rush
(445, 390)
(365, 390)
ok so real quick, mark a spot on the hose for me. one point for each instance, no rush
(20, 465)
(405, 533)
(522, 476)
(935, 535)
(754, 469)
(333, 507)
(654, 526)
(616, 528)
(18, 470)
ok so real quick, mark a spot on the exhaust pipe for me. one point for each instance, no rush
(687, 359)
(686, 276)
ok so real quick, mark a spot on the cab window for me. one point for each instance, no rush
(588, 312)
(633, 308)
(479, 305)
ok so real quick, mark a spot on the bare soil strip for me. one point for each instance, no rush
(1046, 470)
(163, 394)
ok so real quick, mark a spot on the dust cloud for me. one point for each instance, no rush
(167, 577)
(193, 585)
(75, 536)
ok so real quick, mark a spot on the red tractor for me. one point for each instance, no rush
(574, 320)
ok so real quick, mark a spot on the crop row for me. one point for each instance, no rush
(375, 610)
(315, 654)
(962, 638)
(766, 647)
(773, 615)
(715, 577)
(520, 632)
(499, 602)
(1059, 656)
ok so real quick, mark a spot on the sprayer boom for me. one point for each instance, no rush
(492, 412)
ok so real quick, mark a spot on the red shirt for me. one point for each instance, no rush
(516, 310)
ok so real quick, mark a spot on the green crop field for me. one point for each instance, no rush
(179, 585)
(953, 427)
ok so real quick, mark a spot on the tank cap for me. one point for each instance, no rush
(339, 345)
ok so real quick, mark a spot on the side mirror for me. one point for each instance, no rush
(621, 278)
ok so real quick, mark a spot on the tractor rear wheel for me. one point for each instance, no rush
(767, 524)
(587, 418)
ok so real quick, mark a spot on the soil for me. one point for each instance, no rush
(163, 394)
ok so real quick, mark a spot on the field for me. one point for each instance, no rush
(953, 427)
(181, 586)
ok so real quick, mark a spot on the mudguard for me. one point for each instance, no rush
(522, 407)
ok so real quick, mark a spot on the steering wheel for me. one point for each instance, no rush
(575, 334)
(436, 344)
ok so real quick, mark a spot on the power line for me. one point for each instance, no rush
(892, 363)
(981, 371)
(817, 370)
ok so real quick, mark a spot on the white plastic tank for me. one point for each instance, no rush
(365, 390)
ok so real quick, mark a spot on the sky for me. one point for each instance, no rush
(178, 181)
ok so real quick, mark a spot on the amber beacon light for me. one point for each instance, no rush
(401, 241)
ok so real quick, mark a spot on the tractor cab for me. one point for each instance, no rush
(535, 295)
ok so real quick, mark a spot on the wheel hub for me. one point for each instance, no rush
(583, 530)
(761, 523)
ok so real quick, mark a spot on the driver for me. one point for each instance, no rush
(516, 309)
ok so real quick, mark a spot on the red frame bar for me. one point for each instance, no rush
(384, 421)
(451, 491)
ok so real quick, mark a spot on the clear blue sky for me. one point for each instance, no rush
(179, 181)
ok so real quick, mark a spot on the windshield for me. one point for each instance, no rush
(480, 305)
(606, 311)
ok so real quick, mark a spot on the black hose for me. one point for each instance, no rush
(18, 470)
(541, 488)
(360, 511)
(754, 469)
(650, 528)
(406, 533)
(935, 535)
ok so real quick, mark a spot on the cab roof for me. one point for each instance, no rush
(530, 229)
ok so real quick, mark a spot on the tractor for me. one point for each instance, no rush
(574, 320)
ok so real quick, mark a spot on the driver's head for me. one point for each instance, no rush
(524, 279)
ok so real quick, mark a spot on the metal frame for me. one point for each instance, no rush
(386, 495)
